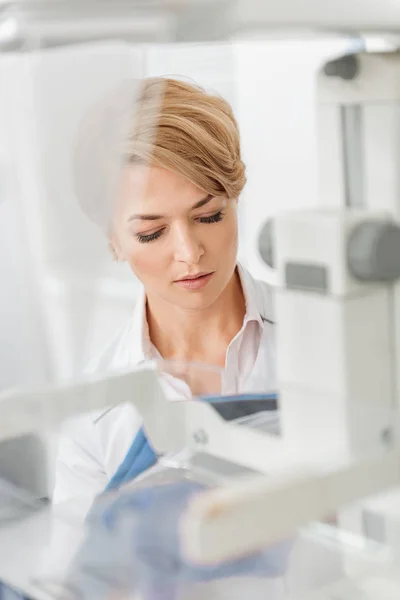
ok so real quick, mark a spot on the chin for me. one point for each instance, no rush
(198, 300)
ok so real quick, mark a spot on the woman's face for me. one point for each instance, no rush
(181, 243)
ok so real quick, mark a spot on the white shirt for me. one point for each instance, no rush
(93, 446)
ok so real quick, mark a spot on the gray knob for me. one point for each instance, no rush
(373, 251)
(346, 67)
(266, 243)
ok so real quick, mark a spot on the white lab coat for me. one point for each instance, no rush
(93, 446)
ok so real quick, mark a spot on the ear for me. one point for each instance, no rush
(115, 249)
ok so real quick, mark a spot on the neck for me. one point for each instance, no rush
(197, 335)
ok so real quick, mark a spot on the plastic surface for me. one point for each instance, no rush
(258, 411)
(16, 504)
(132, 543)
(132, 539)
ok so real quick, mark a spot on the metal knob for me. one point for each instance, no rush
(373, 251)
(345, 67)
(266, 243)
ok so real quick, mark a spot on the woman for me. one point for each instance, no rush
(175, 222)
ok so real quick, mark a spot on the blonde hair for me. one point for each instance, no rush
(169, 124)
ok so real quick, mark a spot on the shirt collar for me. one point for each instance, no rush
(141, 349)
(144, 350)
(253, 310)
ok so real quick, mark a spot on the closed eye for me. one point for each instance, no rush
(216, 218)
(144, 239)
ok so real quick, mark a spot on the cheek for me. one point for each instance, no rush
(224, 238)
(141, 258)
(145, 262)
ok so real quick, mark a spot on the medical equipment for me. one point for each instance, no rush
(339, 382)
(188, 20)
(312, 260)
(170, 426)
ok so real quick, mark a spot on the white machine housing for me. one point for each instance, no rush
(334, 339)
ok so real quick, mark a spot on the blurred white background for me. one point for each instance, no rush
(61, 295)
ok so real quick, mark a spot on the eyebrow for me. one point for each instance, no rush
(198, 204)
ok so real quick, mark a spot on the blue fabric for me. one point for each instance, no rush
(237, 406)
(8, 593)
(133, 543)
(139, 458)
(240, 398)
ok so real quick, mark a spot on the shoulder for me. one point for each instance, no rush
(116, 354)
(93, 444)
(125, 348)
(123, 351)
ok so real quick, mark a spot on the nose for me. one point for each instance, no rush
(187, 247)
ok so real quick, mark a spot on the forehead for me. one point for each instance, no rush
(156, 190)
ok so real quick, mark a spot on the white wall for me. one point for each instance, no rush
(277, 112)
(22, 347)
(61, 295)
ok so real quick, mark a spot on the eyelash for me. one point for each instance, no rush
(149, 238)
(212, 218)
(143, 239)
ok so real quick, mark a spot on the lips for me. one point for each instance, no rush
(193, 277)
(194, 282)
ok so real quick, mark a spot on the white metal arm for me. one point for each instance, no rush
(170, 424)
